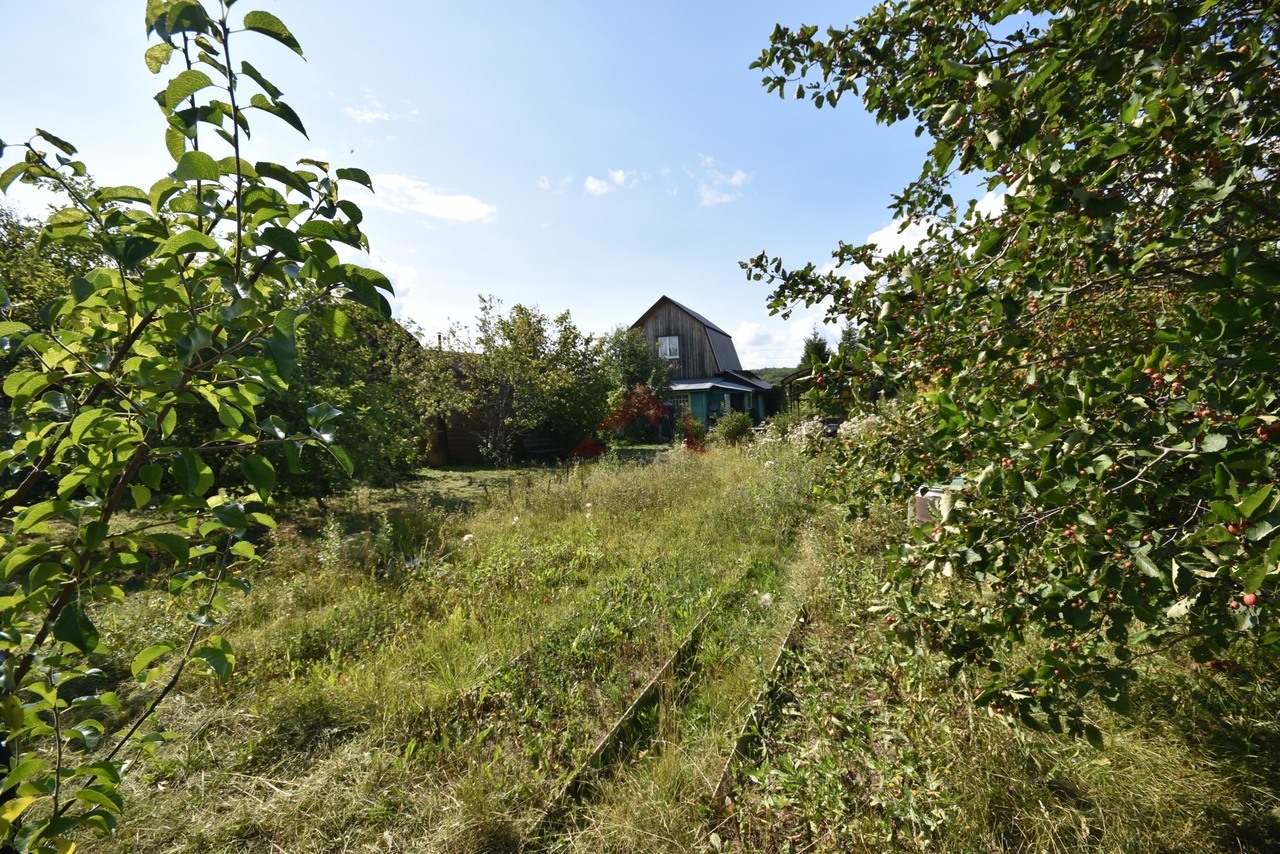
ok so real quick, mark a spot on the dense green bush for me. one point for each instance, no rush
(1094, 355)
(142, 379)
(733, 427)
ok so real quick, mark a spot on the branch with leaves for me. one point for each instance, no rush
(208, 276)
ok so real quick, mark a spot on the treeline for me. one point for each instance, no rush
(511, 374)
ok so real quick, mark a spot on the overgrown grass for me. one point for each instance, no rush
(416, 676)
(431, 698)
(872, 746)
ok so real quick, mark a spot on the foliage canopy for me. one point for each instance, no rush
(189, 316)
(1098, 360)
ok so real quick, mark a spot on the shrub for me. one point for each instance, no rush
(733, 428)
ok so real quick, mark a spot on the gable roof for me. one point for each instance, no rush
(686, 310)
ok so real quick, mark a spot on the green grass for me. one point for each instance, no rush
(872, 747)
(422, 670)
(376, 703)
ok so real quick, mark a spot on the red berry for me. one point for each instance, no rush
(1250, 599)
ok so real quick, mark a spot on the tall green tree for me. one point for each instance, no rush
(1098, 359)
(190, 316)
(628, 358)
(530, 375)
(817, 349)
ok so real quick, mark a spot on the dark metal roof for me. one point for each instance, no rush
(723, 349)
(760, 385)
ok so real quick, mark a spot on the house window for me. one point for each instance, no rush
(669, 347)
(679, 402)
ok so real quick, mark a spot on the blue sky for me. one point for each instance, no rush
(588, 156)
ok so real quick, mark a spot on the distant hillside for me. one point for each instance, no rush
(771, 375)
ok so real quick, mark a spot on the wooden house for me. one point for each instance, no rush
(707, 378)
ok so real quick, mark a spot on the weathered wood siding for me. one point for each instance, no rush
(697, 360)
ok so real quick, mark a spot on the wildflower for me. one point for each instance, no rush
(515, 520)
(468, 538)
(589, 505)
(766, 600)
(768, 464)
(588, 514)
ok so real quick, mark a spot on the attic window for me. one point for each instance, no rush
(669, 347)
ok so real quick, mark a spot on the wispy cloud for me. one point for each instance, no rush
(778, 342)
(364, 116)
(595, 187)
(544, 183)
(374, 111)
(616, 179)
(399, 193)
(718, 188)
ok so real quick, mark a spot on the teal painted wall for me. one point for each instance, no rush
(698, 406)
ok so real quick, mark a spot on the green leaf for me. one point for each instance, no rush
(231, 515)
(60, 144)
(192, 473)
(85, 420)
(11, 714)
(34, 515)
(269, 25)
(196, 166)
(343, 459)
(175, 141)
(256, 76)
(1146, 564)
(284, 175)
(218, 656)
(144, 658)
(1094, 736)
(186, 84)
(74, 627)
(186, 242)
(280, 110)
(283, 241)
(1250, 504)
(1213, 443)
(258, 471)
(13, 173)
(358, 175)
(101, 795)
(141, 495)
(157, 56)
(321, 414)
(173, 544)
(123, 194)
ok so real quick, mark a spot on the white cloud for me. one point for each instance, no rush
(543, 183)
(712, 196)
(992, 203)
(716, 187)
(778, 342)
(618, 176)
(364, 116)
(373, 111)
(399, 193)
(893, 237)
(596, 187)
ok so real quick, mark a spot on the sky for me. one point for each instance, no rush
(572, 155)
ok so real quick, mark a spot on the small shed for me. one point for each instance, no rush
(707, 376)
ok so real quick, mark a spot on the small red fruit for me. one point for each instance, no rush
(1250, 599)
